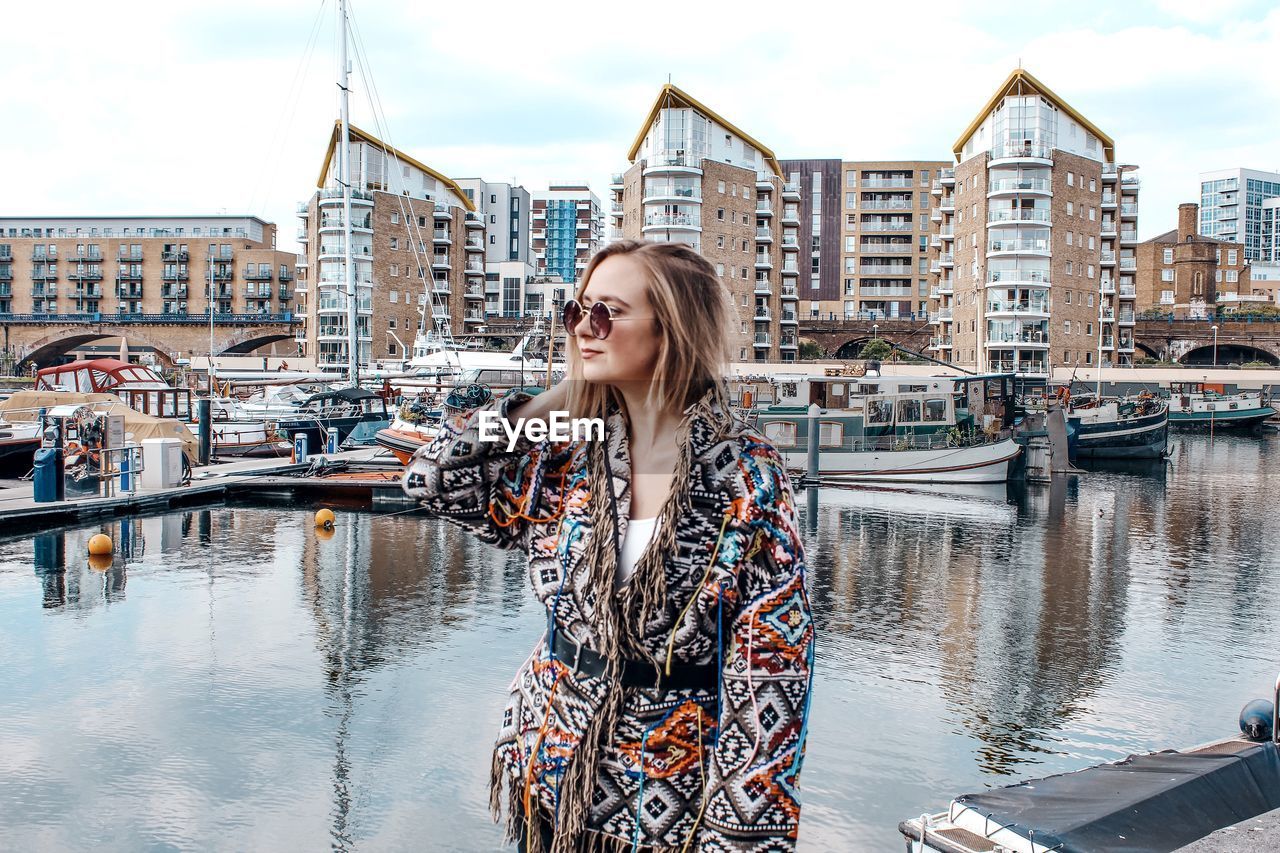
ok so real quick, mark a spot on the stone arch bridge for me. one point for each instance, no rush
(1182, 341)
(40, 340)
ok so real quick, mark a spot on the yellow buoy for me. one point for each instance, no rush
(324, 534)
(100, 544)
(100, 562)
(325, 518)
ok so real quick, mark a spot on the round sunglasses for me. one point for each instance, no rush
(600, 316)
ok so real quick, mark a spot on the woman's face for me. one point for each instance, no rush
(630, 352)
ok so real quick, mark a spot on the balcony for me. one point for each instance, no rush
(42, 257)
(1106, 313)
(764, 235)
(940, 342)
(1126, 318)
(1018, 308)
(763, 286)
(674, 160)
(790, 241)
(129, 275)
(615, 180)
(762, 314)
(947, 232)
(84, 275)
(129, 257)
(1128, 211)
(257, 274)
(948, 177)
(285, 293)
(764, 262)
(763, 208)
(175, 257)
(1027, 214)
(473, 244)
(904, 182)
(174, 275)
(657, 192)
(441, 236)
(1108, 343)
(440, 262)
(1107, 287)
(474, 268)
(943, 314)
(761, 340)
(1108, 199)
(170, 291)
(678, 221)
(947, 204)
(946, 287)
(1129, 236)
(789, 318)
(1108, 259)
(1020, 186)
(442, 212)
(789, 268)
(473, 220)
(791, 192)
(787, 342)
(878, 225)
(1129, 264)
(791, 216)
(85, 258)
(1108, 228)
(473, 291)
(901, 247)
(1034, 338)
(888, 204)
(1018, 247)
(473, 316)
(440, 286)
(126, 291)
(1128, 291)
(219, 275)
(1035, 277)
(789, 292)
(1011, 153)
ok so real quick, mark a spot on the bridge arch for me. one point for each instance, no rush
(1228, 353)
(247, 342)
(46, 350)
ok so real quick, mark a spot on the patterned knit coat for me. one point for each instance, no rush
(723, 583)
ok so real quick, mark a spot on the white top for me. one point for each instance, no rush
(640, 532)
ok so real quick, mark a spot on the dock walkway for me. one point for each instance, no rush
(267, 477)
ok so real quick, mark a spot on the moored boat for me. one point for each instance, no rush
(1194, 405)
(909, 429)
(1119, 428)
(340, 410)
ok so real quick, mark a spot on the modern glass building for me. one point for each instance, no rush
(1231, 209)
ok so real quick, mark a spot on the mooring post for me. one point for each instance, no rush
(204, 409)
(811, 474)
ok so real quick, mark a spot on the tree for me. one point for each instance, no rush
(810, 350)
(878, 348)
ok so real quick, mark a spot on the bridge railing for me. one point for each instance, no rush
(219, 319)
(1154, 317)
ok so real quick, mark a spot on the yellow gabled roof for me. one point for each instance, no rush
(672, 97)
(358, 135)
(1021, 82)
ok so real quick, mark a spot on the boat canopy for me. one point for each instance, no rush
(1143, 804)
(347, 395)
(99, 375)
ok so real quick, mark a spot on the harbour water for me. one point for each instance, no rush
(235, 681)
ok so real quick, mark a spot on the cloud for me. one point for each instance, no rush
(167, 108)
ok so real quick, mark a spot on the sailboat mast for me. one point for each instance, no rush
(212, 285)
(344, 164)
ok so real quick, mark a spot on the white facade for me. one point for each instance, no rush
(248, 227)
(1032, 122)
(1232, 205)
(505, 209)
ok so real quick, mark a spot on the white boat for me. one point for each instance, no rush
(906, 429)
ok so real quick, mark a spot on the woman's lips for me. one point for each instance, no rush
(590, 353)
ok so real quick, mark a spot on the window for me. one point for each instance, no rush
(1233, 276)
(1090, 271)
(720, 187)
(935, 410)
(1231, 257)
(719, 241)
(395, 219)
(1166, 275)
(1069, 265)
(720, 270)
(395, 243)
(395, 271)
(1071, 179)
(1091, 302)
(391, 323)
(879, 411)
(744, 246)
(720, 213)
(1093, 213)
(1070, 239)
(1066, 327)
(830, 434)
(1088, 328)
(781, 433)
(1093, 185)
(1168, 256)
(1091, 243)
(1166, 297)
(1068, 297)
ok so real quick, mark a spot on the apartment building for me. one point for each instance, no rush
(143, 268)
(818, 234)
(1037, 231)
(697, 178)
(889, 232)
(568, 228)
(505, 210)
(417, 248)
(1232, 205)
(1184, 273)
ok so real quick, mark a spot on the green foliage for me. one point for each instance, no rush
(810, 350)
(877, 349)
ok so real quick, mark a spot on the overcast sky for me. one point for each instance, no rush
(179, 107)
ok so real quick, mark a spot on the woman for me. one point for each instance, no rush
(666, 705)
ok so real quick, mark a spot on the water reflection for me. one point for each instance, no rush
(294, 690)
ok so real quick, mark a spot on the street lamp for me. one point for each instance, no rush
(1215, 345)
(874, 331)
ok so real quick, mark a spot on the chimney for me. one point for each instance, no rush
(1188, 221)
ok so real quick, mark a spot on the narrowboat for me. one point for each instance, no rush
(1195, 405)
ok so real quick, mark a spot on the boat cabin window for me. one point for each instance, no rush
(879, 411)
(781, 433)
(935, 410)
(830, 434)
(909, 410)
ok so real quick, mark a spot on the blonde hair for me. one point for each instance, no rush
(691, 316)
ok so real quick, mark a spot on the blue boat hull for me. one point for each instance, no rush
(1226, 419)
(1144, 437)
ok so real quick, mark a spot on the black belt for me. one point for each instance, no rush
(635, 673)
